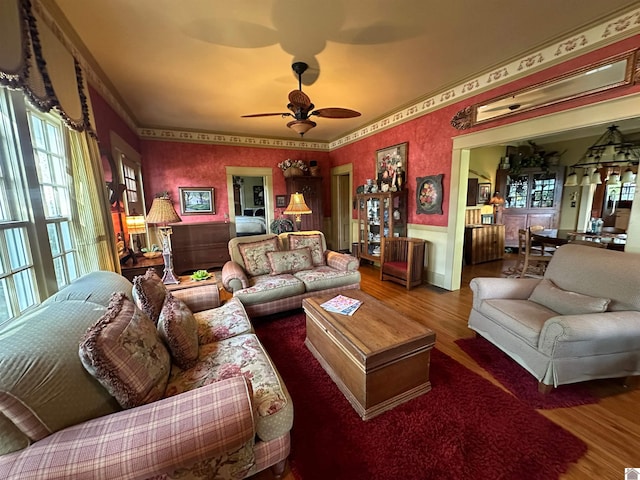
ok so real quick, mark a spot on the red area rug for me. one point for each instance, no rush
(520, 382)
(465, 427)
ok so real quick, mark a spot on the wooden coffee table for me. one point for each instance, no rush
(378, 357)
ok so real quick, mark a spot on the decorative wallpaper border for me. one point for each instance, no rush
(605, 33)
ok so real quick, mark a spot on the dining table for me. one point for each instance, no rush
(556, 237)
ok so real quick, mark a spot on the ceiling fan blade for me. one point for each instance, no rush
(335, 112)
(283, 114)
(299, 99)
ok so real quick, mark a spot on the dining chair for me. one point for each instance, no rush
(532, 260)
(402, 260)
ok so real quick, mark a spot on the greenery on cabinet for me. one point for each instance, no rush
(380, 215)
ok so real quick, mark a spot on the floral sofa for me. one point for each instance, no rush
(91, 388)
(274, 273)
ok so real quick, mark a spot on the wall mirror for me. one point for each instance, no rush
(610, 73)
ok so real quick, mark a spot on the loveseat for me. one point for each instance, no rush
(581, 321)
(274, 273)
(90, 388)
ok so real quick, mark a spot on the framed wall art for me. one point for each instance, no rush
(197, 200)
(258, 195)
(484, 193)
(429, 194)
(281, 201)
(391, 167)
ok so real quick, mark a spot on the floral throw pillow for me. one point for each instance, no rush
(178, 329)
(290, 261)
(254, 255)
(123, 351)
(314, 242)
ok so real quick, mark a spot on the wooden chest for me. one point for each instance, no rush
(377, 357)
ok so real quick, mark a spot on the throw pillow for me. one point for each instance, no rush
(290, 261)
(149, 293)
(123, 351)
(254, 255)
(179, 330)
(565, 302)
(314, 242)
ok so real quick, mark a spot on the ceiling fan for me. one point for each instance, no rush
(301, 107)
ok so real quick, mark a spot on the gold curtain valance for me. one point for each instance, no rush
(34, 59)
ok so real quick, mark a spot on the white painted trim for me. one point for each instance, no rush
(269, 200)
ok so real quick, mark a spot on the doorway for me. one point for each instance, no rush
(259, 199)
(341, 207)
(595, 116)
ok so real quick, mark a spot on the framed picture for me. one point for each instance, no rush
(484, 193)
(281, 201)
(486, 218)
(429, 194)
(197, 200)
(391, 167)
(258, 195)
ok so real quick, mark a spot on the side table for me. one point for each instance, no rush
(140, 267)
(187, 282)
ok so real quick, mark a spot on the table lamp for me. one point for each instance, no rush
(297, 207)
(135, 226)
(162, 213)
(497, 201)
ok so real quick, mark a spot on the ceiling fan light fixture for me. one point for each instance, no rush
(301, 126)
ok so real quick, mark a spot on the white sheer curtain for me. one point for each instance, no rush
(94, 237)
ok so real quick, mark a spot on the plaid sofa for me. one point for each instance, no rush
(253, 277)
(227, 416)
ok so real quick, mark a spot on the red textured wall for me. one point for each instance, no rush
(169, 165)
(105, 121)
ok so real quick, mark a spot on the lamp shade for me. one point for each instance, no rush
(301, 126)
(297, 205)
(586, 180)
(136, 224)
(572, 180)
(162, 212)
(614, 179)
(628, 176)
(497, 199)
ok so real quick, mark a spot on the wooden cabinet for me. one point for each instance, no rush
(380, 214)
(199, 246)
(311, 188)
(130, 270)
(532, 197)
(483, 243)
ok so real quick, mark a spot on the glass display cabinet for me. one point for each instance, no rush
(532, 198)
(380, 215)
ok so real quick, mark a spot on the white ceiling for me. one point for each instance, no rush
(201, 64)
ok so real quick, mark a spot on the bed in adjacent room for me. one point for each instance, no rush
(251, 223)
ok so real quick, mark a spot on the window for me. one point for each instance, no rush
(35, 206)
(49, 154)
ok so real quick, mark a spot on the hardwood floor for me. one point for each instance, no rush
(610, 428)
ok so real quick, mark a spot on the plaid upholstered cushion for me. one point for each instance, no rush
(290, 261)
(125, 354)
(179, 330)
(149, 293)
(313, 241)
(254, 255)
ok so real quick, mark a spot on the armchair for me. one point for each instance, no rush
(402, 260)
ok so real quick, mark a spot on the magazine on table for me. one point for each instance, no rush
(341, 304)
